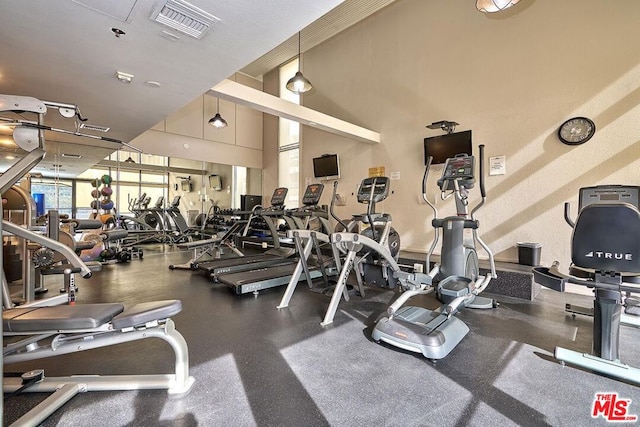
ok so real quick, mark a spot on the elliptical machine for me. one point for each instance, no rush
(371, 254)
(434, 333)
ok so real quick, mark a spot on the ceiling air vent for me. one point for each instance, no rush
(96, 128)
(184, 17)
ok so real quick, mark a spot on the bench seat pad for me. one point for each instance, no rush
(61, 317)
(199, 243)
(146, 312)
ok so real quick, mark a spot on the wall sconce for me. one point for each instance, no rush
(217, 121)
(298, 84)
(491, 6)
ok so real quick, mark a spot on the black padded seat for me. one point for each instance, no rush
(146, 312)
(605, 238)
(85, 224)
(82, 245)
(113, 235)
(62, 317)
(59, 269)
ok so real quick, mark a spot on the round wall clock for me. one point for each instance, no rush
(576, 131)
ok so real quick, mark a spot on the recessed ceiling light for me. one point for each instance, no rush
(10, 157)
(71, 156)
(124, 77)
(152, 83)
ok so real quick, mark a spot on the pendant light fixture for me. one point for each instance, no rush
(491, 6)
(298, 84)
(217, 121)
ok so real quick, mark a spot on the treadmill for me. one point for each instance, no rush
(274, 256)
(278, 274)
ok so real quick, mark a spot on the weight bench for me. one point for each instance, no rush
(212, 247)
(59, 330)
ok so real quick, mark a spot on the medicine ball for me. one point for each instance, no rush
(106, 204)
(106, 191)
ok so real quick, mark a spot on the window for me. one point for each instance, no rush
(289, 141)
(239, 185)
(58, 194)
(127, 185)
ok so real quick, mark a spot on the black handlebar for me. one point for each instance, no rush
(567, 215)
(481, 170)
(333, 201)
(426, 174)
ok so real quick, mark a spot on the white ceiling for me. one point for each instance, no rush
(65, 51)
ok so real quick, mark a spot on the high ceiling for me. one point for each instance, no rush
(66, 51)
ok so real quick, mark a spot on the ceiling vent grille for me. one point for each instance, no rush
(96, 128)
(184, 17)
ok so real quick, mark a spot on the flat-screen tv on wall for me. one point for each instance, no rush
(326, 167)
(186, 185)
(215, 181)
(442, 147)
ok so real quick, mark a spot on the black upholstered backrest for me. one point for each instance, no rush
(606, 237)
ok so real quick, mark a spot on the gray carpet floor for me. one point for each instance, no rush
(255, 365)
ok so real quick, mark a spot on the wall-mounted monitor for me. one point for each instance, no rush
(442, 147)
(326, 167)
(215, 182)
(186, 185)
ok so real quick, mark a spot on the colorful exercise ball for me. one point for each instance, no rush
(106, 179)
(106, 191)
(108, 205)
(95, 193)
(97, 182)
(94, 204)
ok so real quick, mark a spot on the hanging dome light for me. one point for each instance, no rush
(217, 121)
(298, 84)
(491, 6)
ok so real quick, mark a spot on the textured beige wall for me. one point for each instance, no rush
(512, 79)
(270, 139)
(187, 135)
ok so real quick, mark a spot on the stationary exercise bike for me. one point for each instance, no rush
(434, 333)
(605, 256)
